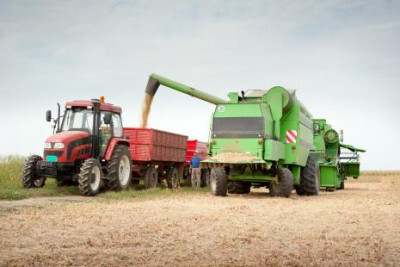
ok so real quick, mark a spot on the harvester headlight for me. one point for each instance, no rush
(58, 145)
(47, 145)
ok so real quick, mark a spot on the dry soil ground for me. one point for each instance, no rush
(357, 226)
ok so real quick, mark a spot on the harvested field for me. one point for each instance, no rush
(356, 226)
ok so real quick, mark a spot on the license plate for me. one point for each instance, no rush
(51, 158)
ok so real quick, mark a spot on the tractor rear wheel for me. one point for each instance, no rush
(218, 182)
(119, 169)
(309, 178)
(173, 178)
(90, 177)
(285, 185)
(151, 178)
(237, 187)
(30, 179)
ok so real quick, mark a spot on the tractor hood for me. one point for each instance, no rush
(67, 146)
(67, 137)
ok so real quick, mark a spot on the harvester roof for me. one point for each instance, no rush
(89, 103)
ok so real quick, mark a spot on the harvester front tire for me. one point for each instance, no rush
(285, 185)
(119, 169)
(151, 178)
(309, 178)
(30, 179)
(237, 187)
(218, 182)
(90, 177)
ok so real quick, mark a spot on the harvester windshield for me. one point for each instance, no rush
(78, 119)
(242, 127)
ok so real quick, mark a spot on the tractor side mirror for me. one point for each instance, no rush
(48, 115)
(107, 118)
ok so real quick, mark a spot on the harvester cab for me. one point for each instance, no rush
(261, 137)
(87, 148)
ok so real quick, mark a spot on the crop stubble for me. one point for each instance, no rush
(359, 225)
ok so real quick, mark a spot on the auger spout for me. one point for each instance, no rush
(155, 81)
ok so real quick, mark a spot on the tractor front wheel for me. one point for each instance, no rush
(30, 179)
(285, 185)
(119, 169)
(218, 182)
(90, 176)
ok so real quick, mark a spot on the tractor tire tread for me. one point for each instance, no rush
(113, 182)
(28, 172)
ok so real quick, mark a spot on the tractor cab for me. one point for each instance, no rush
(87, 125)
(89, 132)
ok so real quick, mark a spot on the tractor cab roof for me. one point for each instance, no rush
(89, 103)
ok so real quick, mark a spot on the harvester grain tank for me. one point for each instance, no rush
(261, 137)
(336, 160)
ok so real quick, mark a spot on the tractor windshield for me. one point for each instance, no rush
(250, 127)
(78, 119)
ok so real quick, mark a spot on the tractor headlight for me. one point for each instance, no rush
(47, 145)
(58, 145)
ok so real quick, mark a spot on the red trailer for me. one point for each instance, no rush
(156, 155)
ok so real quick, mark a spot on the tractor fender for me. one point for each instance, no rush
(111, 146)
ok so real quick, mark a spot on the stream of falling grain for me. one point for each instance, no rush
(148, 99)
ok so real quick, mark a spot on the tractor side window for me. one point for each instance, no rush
(117, 124)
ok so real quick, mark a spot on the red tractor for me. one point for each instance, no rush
(87, 149)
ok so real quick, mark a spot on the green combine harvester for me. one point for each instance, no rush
(257, 138)
(337, 161)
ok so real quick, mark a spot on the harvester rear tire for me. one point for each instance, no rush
(285, 185)
(237, 187)
(90, 177)
(151, 178)
(218, 182)
(30, 179)
(309, 178)
(119, 169)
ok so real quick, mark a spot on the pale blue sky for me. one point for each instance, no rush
(341, 56)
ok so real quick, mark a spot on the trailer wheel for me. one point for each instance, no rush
(151, 178)
(119, 169)
(218, 182)
(30, 179)
(205, 178)
(285, 185)
(237, 187)
(309, 178)
(90, 177)
(173, 178)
